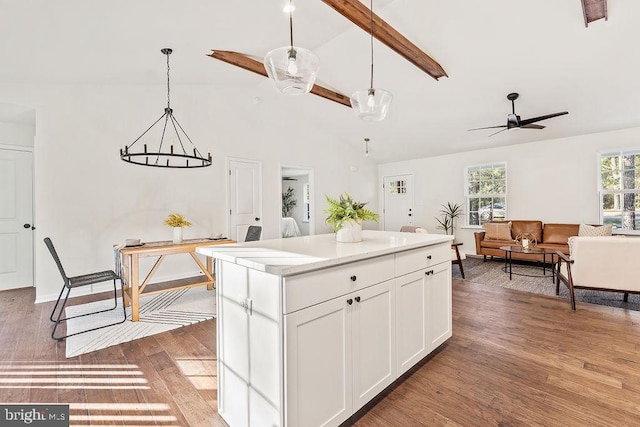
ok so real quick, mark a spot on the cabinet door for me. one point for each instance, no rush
(411, 319)
(374, 339)
(318, 364)
(249, 347)
(439, 304)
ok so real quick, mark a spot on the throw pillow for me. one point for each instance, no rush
(594, 231)
(498, 231)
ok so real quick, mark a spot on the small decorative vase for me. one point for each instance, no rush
(177, 234)
(350, 232)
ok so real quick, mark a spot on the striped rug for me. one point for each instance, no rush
(158, 313)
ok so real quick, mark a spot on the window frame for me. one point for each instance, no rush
(602, 192)
(469, 196)
(306, 202)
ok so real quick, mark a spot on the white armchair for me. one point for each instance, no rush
(599, 263)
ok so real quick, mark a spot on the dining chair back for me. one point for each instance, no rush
(253, 233)
(77, 282)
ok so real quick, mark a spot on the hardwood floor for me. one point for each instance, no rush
(515, 359)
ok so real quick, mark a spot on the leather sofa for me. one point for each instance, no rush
(548, 236)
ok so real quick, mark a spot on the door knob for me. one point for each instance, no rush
(357, 299)
(257, 219)
(349, 301)
(29, 226)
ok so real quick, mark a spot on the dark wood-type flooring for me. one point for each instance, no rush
(515, 359)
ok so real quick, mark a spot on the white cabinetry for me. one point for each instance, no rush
(249, 346)
(340, 354)
(423, 301)
(309, 344)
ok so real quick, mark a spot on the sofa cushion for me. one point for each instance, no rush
(587, 230)
(555, 247)
(498, 230)
(496, 244)
(524, 226)
(559, 233)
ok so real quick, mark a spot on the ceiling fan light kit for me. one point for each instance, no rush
(293, 70)
(371, 105)
(174, 155)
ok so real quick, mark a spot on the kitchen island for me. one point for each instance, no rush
(309, 330)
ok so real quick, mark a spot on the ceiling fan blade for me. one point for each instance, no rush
(489, 127)
(537, 119)
(505, 128)
(532, 126)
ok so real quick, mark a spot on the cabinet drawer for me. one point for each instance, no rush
(312, 288)
(417, 259)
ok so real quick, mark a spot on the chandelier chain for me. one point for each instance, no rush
(168, 86)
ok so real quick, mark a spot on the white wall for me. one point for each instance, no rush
(19, 134)
(87, 199)
(553, 180)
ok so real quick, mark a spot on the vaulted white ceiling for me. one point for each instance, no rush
(540, 49)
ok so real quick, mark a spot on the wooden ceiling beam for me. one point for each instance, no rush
(356, 12)
(243, 61)
(592, 10)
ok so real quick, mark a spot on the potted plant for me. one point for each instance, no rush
(346, 217)
(177, 221)
(449, 213)
(288, 202)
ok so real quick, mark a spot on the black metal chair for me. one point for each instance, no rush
(253, 233)
(76, 282)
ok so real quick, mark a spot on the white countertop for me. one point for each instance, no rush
(297, 255)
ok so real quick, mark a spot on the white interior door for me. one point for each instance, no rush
(245, 197)
(16, 215)
(398, 201)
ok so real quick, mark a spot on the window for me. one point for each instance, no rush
(486, 193)
(398, 187)
(620, 189)
(306, 197)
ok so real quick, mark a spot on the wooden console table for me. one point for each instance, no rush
(129, 268)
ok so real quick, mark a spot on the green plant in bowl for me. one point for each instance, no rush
(344, 209)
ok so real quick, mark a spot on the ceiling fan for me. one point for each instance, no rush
(514, 121)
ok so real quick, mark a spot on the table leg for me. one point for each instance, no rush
(135, 288)
(125, 262)
(210, 270)
(510, 264)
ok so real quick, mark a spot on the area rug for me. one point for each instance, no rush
(491, 273)
(158, 313)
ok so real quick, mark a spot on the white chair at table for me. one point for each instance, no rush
(456, 255)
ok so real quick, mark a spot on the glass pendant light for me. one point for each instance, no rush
(372, 104)
(292, 70)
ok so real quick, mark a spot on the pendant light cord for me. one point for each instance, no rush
(371, 17)
(291, 22)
